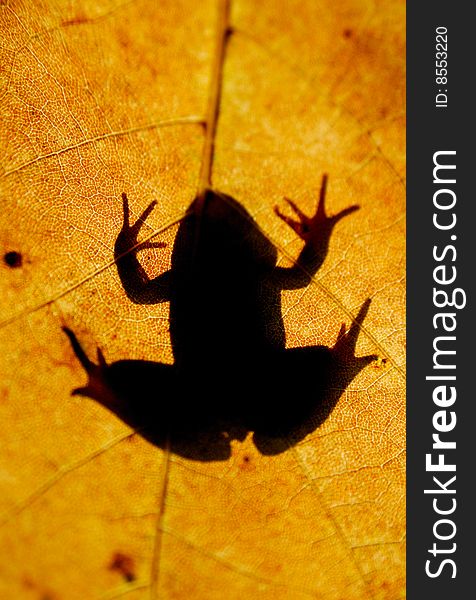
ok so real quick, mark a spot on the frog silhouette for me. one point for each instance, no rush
(232, 373)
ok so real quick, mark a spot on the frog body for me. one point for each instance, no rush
(232, 372)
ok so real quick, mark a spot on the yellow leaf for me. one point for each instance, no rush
(162, 101)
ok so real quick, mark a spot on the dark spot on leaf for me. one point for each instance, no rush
(27, 582)
(124, 565)
(246, 459)
(75, 21)
(13, 259)
(30, 585)
(347, 33)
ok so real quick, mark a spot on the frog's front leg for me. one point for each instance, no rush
(137, 284)
(316, 232)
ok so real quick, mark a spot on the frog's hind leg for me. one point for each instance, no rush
(157, 402)
(129, 388)
(97, 379)
(305, 385)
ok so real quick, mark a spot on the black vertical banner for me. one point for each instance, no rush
(441, 434)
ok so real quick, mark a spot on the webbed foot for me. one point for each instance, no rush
(344, 348)
(127, 238)
(97, 386)
(313, 229)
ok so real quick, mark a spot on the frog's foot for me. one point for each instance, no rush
(344, 348)
(127, 239)
(311, 229)
(97, 386)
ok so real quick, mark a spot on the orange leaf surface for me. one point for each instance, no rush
(161, 101)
